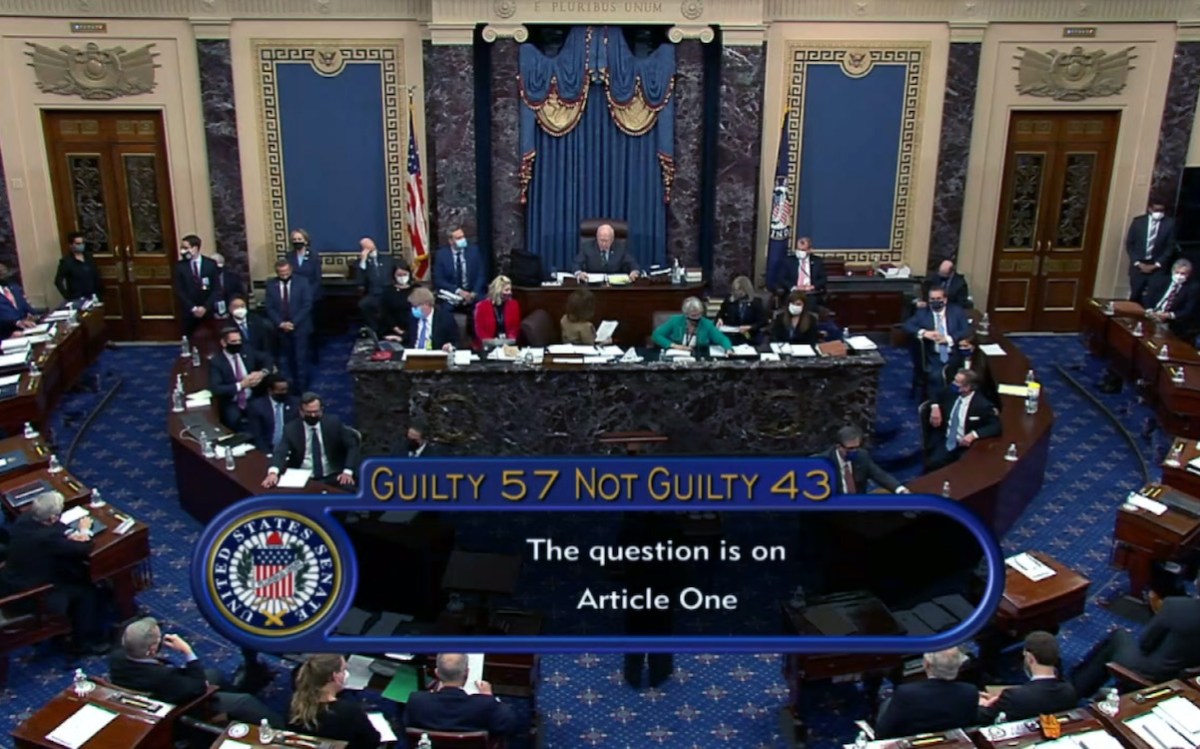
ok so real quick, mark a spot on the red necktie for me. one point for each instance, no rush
(287, 307)
(848, 478)
(196, 270)
(9, 296)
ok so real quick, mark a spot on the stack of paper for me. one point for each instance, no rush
(613, 351)
(8, 361)
(386, 734)
(789, 349)
(1183, 716)
(1152, 728)
(861, 343)
(463, 358)
(606, 330)
(294, 478)
(9, 380)
(417, 352)
(38, 329)
(676, 353)
(1029, 566)
(765, 356)
(10, 345)
(56, 315)
(358, 670)
(993, 349)
(87, 721)
(1145, 503)
(572, 349)
(744, 349)
(199, 398)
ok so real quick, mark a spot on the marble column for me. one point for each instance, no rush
(958, 113)
(1178, 115)
(449, 136)
(508, 215)
(8, 240)
(224, 162)
(683, 212)
(739, 148)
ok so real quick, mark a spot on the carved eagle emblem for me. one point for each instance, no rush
(1073, 75)
(91, 72)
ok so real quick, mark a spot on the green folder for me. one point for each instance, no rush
(402, 684)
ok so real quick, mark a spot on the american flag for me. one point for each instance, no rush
(270, 561)
(418, 231)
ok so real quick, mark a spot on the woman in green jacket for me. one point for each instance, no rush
(690, 330)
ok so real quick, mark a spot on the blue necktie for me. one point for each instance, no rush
(952, 431)
(421, 335)
(461, 268)
(943, 349)
(278, 434)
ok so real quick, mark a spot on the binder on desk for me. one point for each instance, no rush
(12, 460)
(26, 493)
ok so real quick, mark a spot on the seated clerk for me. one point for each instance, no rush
(938, 703)
(690, 330)
(797, 324)
(942, 331)
(138, 665)
(1170, 643)
(800, 270)
(417, 443)
(256, 332)
(448, 708)
(1174, 299)
(39, 553)
(235, 377)
(317, 442)
(395, 313)
(498, 313)
(744, 311)
(266, 417)
(1043, 694)
(318, 709)
(964, 416)
(432, 329)
(855, 467)
(16, 314)
(576, 324)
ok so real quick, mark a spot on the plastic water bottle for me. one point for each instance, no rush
(985, 325)
(55, 466)
(177, 399)
(1111, 704)
(1177, 375)
(206, 447)
(230, 461)
(1137, 331)
(1001, 718)
(676, 272)
(1011, 454)
(945, 488)
(81, 684)
(845, 334)
(266, 734)
(195, 356)
(30, 432)
(861, 742)
(1163, 354)
(97, 500)
(424, 742)
(1032, 391)
(185, 348)
(1029, 377)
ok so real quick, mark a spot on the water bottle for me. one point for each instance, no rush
(185, 348)
(81, 684)
(206, 447)
(424, 743)
(845, 334)
(55, 466)
(1002, 718)
(1032, 391)
(945, 488)
(230, 461)
(195, 356)
(985, 325)
(1137, 331)
(30, 432)
(1011, 454)
(1177, 376)
(1163, 355)
(1029, 377)
(676, 272)
(266, 734)
(861, 741)
(1111, 704)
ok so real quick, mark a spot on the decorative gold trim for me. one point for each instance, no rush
(668, 174)
(525, 175)
(329, 58)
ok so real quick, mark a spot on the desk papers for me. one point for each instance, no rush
(729, 329)
(38, 329)
(861, 343)
(73, 514)
(8, 361)
(676, 353)
(9, 345)
(402, 685)
(463, 358)
(358, 672)
(294, 478)
(1157, 732)
(386, 626)
(1145, 503)
(353, 622)
(993, 349)
(231, 744)
(386, 734)
(1089, 740)
(606, 330)
(766, 356)
(1029, 566)
(1018, 390)
(9, 380)
(789, 349)
(75, 731)
(571, 349)
(474, 672)
(1183, 716)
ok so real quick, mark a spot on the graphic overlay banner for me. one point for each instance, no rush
(603, 555)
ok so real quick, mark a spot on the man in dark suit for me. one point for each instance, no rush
(306, 264)
(854, 466)
(801, 271)
(1150, 245)
(954, 284)
(938, 703)
(16, 313)
(137, 665)
(418, 446)
(195, 284)
(1045, 693)
(450, 708)
(266, 417)
(77, 276)
(39, 554)
(961, 418)
(317, 442)
(433, 328)
(1170, 643)
(941, 330)
(229, 287)
(1175, 300)
(459, 272)
(376, 270)
(289, 307)
(604, 254)
(235, 377)
(256, 332)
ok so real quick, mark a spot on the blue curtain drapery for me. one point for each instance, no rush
(612, 159)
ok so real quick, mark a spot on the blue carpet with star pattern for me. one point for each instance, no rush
(712, 699)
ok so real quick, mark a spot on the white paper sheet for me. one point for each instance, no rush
(765, 356)
(87, 721)
(386, 733)
(1095, 740)
(1147, 504)
(597, 277)
(1156, 732)
(463, 358)
(606, 330)
(744, 349)
(359, 672)
(861, 343)
(10, 380)
(716, 352)
(55, 316)
(401, 656)
(1183, 711)
(422, 352)
(73, 514)
(596, 360)
(13, 360)
(993, 349)
(38, 329)
(9, 345)
(1029, 566)
(789, 349)
(729, 329)
(615, 351)
(677, 353)
(231, 744)
(294, 478)
(474, 672)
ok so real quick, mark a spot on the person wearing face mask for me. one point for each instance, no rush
(266, 417)
(16, 313)
(235, 377)
(962, 417)
(1150, 245)
(854, 466)
(432, 329)
(744, 311)
(377, 272)
(800, 271)
(306, 264)
(498, 314)
(318, 709)
(416, 443)
(795, 324)
(229, 285)
(77, 276)
(458, 272)
(289, 307)
(317, 442)
(691, 330)
(195, 284)
(1173, 300)
(256, 332)
(395, 313)
(1046, 693)
(940, 333)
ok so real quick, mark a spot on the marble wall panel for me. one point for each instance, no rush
(739, 155)
(683, 212)
(1179, 114)
(508, 215)
(958, 113)
(449, 137)
(224, 161)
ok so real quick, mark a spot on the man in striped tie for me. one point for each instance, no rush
(1174, 300)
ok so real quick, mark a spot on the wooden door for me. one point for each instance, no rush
(1053, 200)
(110, 179)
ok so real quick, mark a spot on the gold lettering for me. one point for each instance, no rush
(476, 482)
(391, 489)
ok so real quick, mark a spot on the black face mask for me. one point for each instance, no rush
(233, 348)
(312, 421)
(413, 445)
(937, 305)
(298, 246)
(279, 397)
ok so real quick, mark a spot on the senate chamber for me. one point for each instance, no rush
(552, 373)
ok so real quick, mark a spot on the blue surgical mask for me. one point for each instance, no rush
(417, 313)
(956, 388)
(461, 243)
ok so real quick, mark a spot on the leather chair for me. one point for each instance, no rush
(660, 317)
(537, 329)
(588, 227)
(25, 619)
(454, 739)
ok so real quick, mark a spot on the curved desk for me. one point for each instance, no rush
(633, 306)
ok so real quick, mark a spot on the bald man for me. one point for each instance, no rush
(448, 707)
(953, 283)
(604, 254)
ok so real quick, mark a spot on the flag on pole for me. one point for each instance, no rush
(781, 203)
(418, 229)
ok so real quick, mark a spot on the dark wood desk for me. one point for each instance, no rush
(35, 454)
(1022, 733)
(251, 740)
(870, 303)
(1029, 606)
(73, 490)
(133, 727)
(1174, 466)
(1141, 538)
(633, 306)
(123, 561)
(1134, 704)
(953, 739)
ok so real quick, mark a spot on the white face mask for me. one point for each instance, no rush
(239, 313)
(1157, 215)
(402, 280)
(801, 254)
(1180, 278)
(795, 309)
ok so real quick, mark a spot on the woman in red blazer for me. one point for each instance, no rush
(498, 314)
